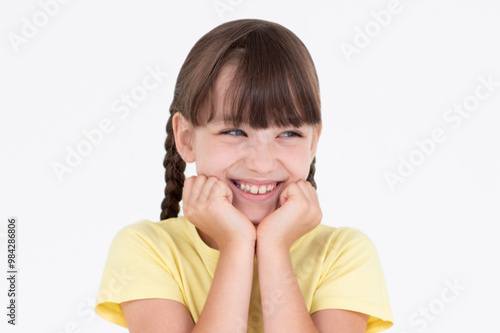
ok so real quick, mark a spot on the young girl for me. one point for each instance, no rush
(249, 254)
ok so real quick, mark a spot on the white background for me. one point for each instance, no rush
(439, 224)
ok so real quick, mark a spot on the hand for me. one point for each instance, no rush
(207, 203)
(299, 213)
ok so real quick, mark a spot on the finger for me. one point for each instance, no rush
(222, 190)
(307, 189)
(206, 190)
(288, 193)
(311, 196)
(197, 188)
(188, 188)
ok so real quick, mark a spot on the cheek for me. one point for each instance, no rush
(299, 163)
(212, 160)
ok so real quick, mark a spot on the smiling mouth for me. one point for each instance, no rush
(255, 189)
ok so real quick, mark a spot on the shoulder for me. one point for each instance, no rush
(337, 238)
(143, 233)
(146, 246)
(334, 247)
(147, 229)
(351, 276)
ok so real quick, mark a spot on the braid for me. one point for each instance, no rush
(174, 175)
(312, 170)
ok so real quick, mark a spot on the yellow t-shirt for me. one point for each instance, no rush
(336, 268)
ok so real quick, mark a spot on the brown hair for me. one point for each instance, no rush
(275, 83)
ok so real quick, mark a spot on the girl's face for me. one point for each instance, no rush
(256, 164)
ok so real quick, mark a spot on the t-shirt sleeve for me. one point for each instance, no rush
(352, 279)
(135, 269)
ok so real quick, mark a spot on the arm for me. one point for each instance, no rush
(226, 308)
(335, 320)
(283, 306)
(156, 315)
(207, 204)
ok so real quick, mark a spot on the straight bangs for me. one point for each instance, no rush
(274, 82)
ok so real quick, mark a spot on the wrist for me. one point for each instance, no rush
(238, 246)
(266, 245)
(272, 238)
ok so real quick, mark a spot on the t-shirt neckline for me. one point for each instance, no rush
(201, 246)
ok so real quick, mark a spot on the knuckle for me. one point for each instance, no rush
(219, 185)
(201, 179)
(209, 182)
(188, 181)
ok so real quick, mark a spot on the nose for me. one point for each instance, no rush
(261, 158)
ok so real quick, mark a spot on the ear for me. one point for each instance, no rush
(183, 133)
(314, 143)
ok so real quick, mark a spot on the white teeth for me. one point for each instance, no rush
(255, 189)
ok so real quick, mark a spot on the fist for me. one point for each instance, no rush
(207, 203)
(299, 213)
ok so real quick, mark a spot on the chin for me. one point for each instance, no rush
(255, 212)
(255, 216)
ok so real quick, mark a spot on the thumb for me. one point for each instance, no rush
(229, 194)
(221, 189)
(288, 193)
